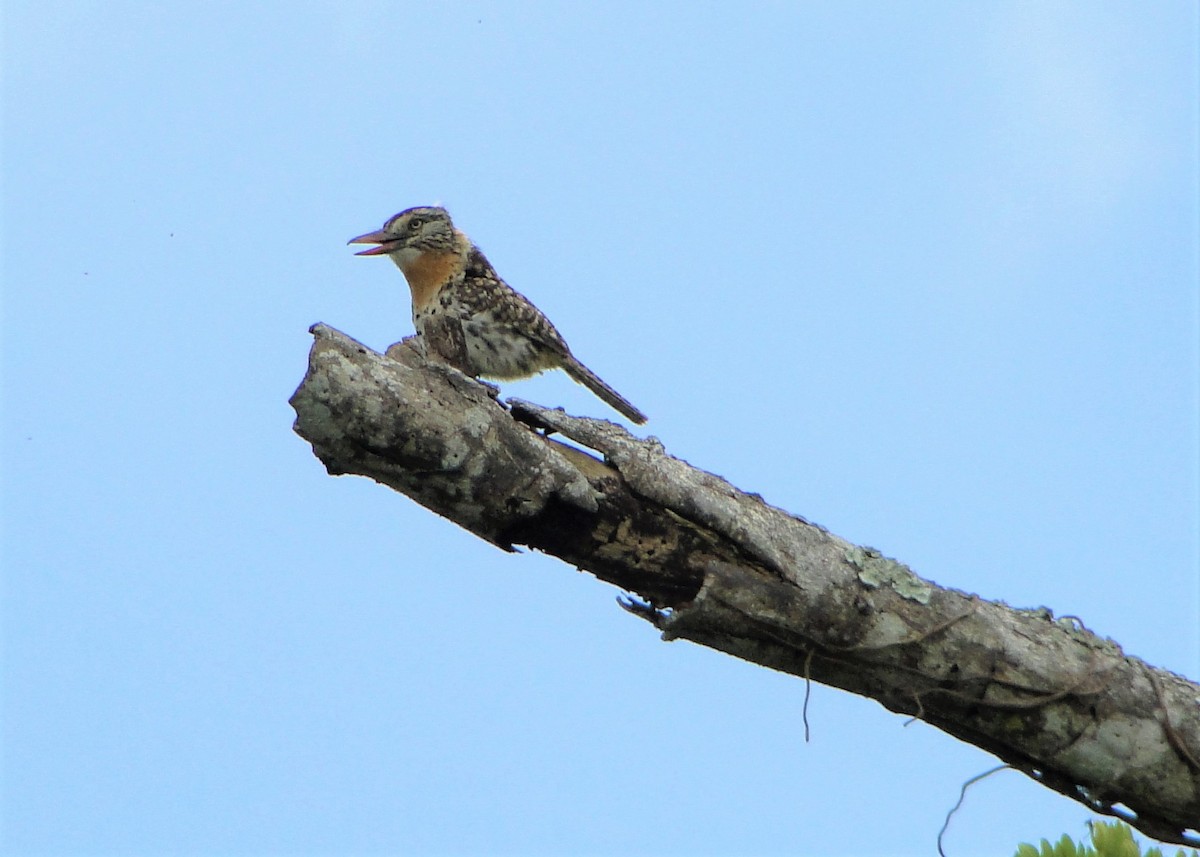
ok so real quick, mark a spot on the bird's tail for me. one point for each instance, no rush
(593, 382)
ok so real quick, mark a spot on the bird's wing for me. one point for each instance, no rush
(509, 307)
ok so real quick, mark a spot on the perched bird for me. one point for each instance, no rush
(466, 315)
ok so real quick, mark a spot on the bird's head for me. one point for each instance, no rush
(410, 234)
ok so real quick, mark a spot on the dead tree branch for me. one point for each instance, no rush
(721, 567)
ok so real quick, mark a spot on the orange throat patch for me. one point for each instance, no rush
(427, 274)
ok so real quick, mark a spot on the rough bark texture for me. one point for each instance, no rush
(721, 567)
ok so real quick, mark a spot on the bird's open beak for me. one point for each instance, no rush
(387, 243)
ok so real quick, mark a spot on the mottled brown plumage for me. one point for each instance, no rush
(468, 317)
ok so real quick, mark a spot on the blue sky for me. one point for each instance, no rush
(924, 273)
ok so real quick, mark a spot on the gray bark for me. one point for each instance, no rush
(720, 567)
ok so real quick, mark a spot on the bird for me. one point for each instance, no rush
(466, 315)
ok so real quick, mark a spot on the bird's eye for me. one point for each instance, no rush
(415, 224)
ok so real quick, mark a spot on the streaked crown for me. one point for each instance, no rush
(425, 227)
(412, 233)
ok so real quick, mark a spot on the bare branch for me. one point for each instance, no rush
(721, 567)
